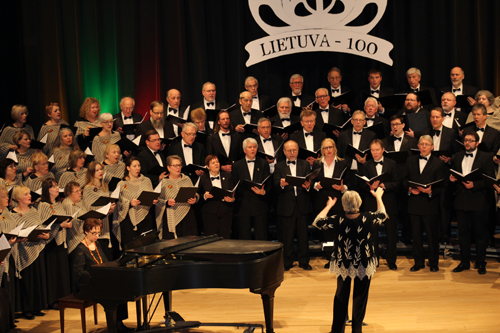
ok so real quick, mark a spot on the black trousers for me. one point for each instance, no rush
(259, 227)
(219, 223)
(289, 226)
(341, 302)
(468, 221)
(430, 224)
(391, 231)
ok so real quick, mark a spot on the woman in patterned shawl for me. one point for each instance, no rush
(8, 175)
(106, 137)
(40, 165)
(72, 204)
(63, 146)
(19, 114)
(175, 219)
(24, 152)
(29, 259)
(132, 218)
(89, 114)
(113, 167)
(51, 127)
(76, 172)
(56, 255)
(93, 190)
(353, 256)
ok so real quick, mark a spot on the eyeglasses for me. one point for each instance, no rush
(321, 96)
(308, 121)
(77, 191)
(95, 233)
(399, 124)
(176, 166)
(425, 144)
(329, 147)
(358, 120)
(292, 150)
(158, 113)
(469, 140)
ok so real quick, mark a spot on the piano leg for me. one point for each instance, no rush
(110, 309)
(267, 296)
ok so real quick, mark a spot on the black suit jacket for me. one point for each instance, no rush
(305, 99)
(448, 139)
(461, 118)
(491, 138)
(318, 137)
(434, 170)
(391, 187)
(335, 117)
(237, 118)
(180, 111)
(345, 138)
(214, 146)
(468, 90)
(148, 162)
(198, 156)
(431, 91)
(249, 203)
(385, 124)
(286, 195)
(320, 197)
(201, 104)
(118, 120)
(407, 143)
(365, 92)
(211, 206)
(473, 199)
(142, 129)
(276, 120)
(277, 141)
(264, 102)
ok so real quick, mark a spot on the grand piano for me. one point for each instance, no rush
(187, 263)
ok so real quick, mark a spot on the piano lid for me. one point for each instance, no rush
(173, 245)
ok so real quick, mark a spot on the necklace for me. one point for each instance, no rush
(100, 259)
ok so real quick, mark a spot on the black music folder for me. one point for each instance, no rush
(378, 129)
(96, 214)
(490, 181)
(299, 181)
(399, 157)
(270, 112)
(4, 247)
(345, 98)
(417, 122)
(113, 197)
(304, 154)
(287, 129)
(248, 184)
(416, 185)
(382, 178)
(176, 120)
(219, 194)
(147, 197)
(471, 176)
(271, 157)
(186, 193)
(351, 152)
(329, 182)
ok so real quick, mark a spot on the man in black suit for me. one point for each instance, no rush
(458, 87)
(225, 143)
(356, 137)
(174, 108)
(471, 197)
(371, 107)
(209, 92)
(451, 114)
(309, 138)
(284, 117)
(269, 143)
(327, 114)
(294, 206)
(126, 116)
(423, 202)
(259, 101)
(190, 151)
(298, 98)
(336, 89)
(375, 167)
(252, 202)
(375, 89)
(417, 118)
(151, 157)
(156, 122)
(413, 76)
(245, 114)
(488, 136)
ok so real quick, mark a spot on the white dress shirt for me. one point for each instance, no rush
(226, 141)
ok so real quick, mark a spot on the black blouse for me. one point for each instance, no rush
(82, 259)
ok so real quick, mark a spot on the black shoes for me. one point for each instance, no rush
(39, 313)
(306, 267)
(287, 267)
(120, 327)
(434, 268)
(462, 267)
(392, 267)
(28, 315)
(327, 265)
(415, 268)
(481, 270)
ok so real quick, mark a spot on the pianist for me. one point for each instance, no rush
(88, 253)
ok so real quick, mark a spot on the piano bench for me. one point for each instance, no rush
(74, 302)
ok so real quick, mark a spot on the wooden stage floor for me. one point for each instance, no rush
(400, 301)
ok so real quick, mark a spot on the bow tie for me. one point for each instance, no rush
(210, 104)
(396, 138)
(127, 117)
(290, 162)
(324, 110)
(423, 158)
(307, 134)
(226, 134)
(455, 90)
(214, 178)
(265, 140)
(375, 91)
(479, 129)
(356, 133)
(447, 114)
(251, 161)
(155, 153)
(468, 155)
(188, 146)
(335, 90)
(173, 110)
(285, 119)
(246, 114)
(372, 119)
(295, 98)
(414, 90)
(379, 162)
(255, 97)
(436, 132)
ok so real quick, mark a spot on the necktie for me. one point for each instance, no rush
(226, 134)
(128, 117)
(447, 114)
(324, 110)
(246, 114)
(290, 162)
(468, 154)
(268, 139)
(210, 104)
(307, 134)
(423, 158)
(356, 133)
(437, 132)
(173, 110)
(396, 138)
(375, 91)
(214, 178)
(455, 90)
(479, 129)
(379, 162)
(188, 146)
(251, 161)
(335, 90)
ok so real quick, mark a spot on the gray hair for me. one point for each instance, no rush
(190, 124)
(426, 138)
(335, 69)
(251, 78)
(413, 70)
(319, 90)
(351, 201)
(296, 76)
(247, 141)
(103, 117)
(124, 98)
(359, 112)
(285, 100)
(371, 99)
(207, 83)
(262, 120)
